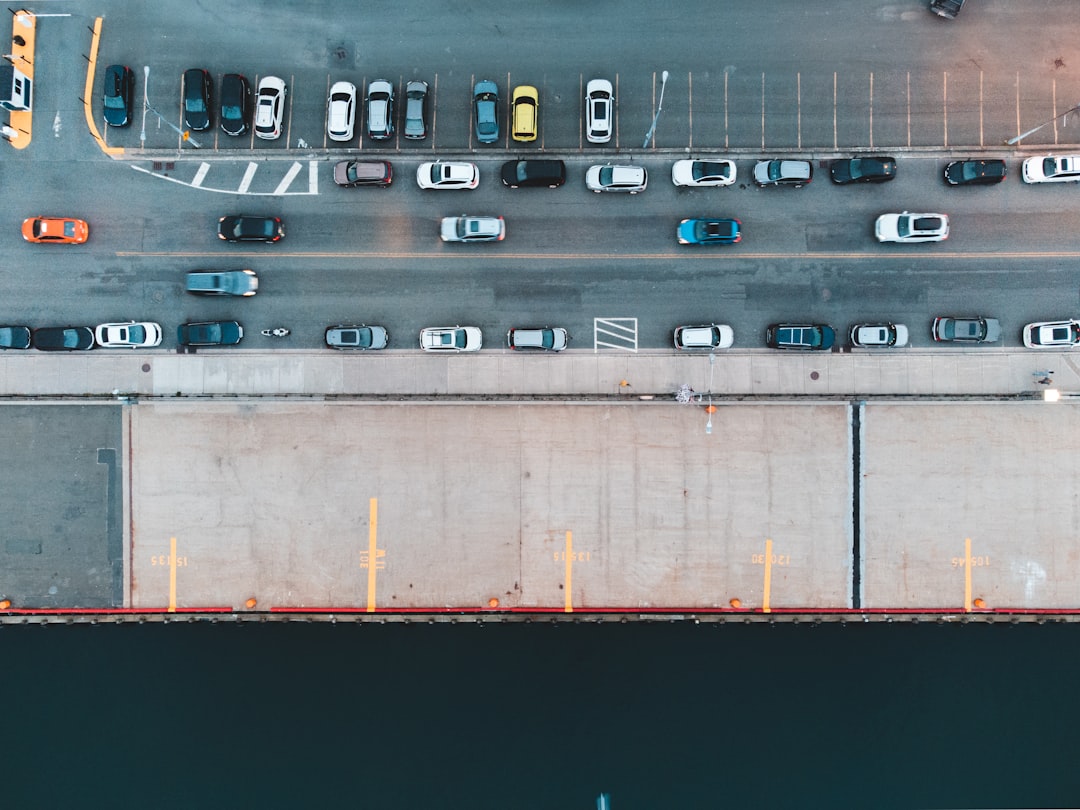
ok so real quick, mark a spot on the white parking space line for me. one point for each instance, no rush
(909, 109)
(798, 109)
(945, 108)
(871, 109)
(618, 329)
(1053, 96)
(286, 181)
(313, 177)
(726, 131)
(249, 175)
(981, 108)
(690, 110)
(834, 139)
(200, 175)
(763, 111)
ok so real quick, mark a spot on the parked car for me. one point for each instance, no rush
(517, 173)
(363, 173)
(794, 173)
(871, 169)
(1051, 169)
(269, 107)
(119, 83)
(546, 338)
(63, 338)
(451, 339)
(800, 336)
(380, 110)
(715, 172)
(907, 227)
(55, 230)
(630, 179)
(361, 337)
(879, 335)
(975, 172)
(128, 335)
(709, 232)
(242, 283)
(245, 228)
(709, 336)
(966, 330)
(1052, 335)
(198, 99)
(235, 104)
(341, 111)
(14, 337)
(209, 333)
(472, 229)
(447, 175)
(416, 110)
(599, 111)
(946, 8)
(525, 116)
(486, 111)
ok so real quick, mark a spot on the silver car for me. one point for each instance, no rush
(547, 338)
(451, 339)
(357, 337)
(629, 179)
(473, 229)
(415, 110)
(380, 110)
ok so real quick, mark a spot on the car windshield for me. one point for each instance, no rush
(135, 334)
(607, 175)
(112, 96)
(71, 339)
(1050, 166)
(775, 170)
(704, 170)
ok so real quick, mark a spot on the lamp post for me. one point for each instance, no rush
(184, 134)
(659, 107)
(1032, 131)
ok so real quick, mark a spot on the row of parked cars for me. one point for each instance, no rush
(235, 111)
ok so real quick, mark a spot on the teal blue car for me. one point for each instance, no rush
(486, 107)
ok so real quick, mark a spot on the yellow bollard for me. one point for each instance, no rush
(5, 604)
(250, 603)
(493, 602)
(736, 603)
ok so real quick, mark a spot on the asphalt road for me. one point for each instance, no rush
(794, 79)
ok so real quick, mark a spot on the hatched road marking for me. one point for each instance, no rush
(615, 333)
(282, 189)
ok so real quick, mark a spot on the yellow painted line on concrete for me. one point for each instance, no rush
(88, 93)
(172, 575)
(967, 575)
(372, 551)
(23, 25)
(499, 256)
(569, 603)
(768, 577)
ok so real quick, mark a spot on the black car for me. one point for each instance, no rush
(198, 99)
(550, 173)
(243, 228)
(863, 170)
(975, 172)
(209, 333)
(64, 338)
(235, 107)
(119, 90)
(14, 337)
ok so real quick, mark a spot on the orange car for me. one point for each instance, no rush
(55, 230)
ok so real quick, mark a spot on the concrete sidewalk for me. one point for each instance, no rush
(933, 373)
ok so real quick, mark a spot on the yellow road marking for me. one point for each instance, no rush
(569, 606)
(967, 574)
(372, 534)
(497, 257)
(172, 575)
(88, 93)
(768, 577)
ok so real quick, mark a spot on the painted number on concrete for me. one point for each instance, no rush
(575, 556)
(777, 559)
(960, 562)
(163, 559)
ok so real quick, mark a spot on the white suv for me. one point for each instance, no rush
(380, 110)
(269, 107)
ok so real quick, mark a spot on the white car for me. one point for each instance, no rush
(1051, 169)
(907, 227)
(451, 339)
(630, 179)
(709, 336)
(879, 335)
(599, 110)
(128, 335)
(1052, 335)
(447, 175)
(269, 107)
(473, 229)
(713, 172)
(341, 111)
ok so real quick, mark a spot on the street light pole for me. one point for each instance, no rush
(1018, 138)
(659, 107)
(145, 104)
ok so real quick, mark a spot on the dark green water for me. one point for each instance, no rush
(540, 717)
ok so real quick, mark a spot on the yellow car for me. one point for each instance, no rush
(526, 106)
(55, 230)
